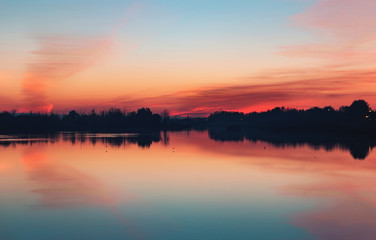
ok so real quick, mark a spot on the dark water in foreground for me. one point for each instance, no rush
(181, 186)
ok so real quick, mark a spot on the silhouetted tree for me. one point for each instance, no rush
(354, 119)
(359, 109)
(165, 115)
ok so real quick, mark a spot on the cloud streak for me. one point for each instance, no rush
(58, 57)
(350, 26)
(299, 90)
(348, 72)
(349, 19)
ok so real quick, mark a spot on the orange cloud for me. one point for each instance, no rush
(58, 58)
(299, 89)
(338, 82)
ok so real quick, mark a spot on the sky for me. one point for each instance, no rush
(195, 56)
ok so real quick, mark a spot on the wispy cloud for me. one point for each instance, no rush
(351, 19)
(347, 74)
(348, 28)
(297, 89)
(58, 57)
(348, 44)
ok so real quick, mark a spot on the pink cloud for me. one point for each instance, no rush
(351, 26)
(352, 19)
(299, 89)
(58, 58)
(351, 22)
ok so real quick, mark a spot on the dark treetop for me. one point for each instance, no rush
(358, 119)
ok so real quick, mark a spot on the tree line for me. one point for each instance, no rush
(111, 120)
(356, 118)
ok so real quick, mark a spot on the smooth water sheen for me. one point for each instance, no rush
(181, 186)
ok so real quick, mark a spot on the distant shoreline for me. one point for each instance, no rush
(356, 119)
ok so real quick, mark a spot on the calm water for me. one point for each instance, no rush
(179, 186)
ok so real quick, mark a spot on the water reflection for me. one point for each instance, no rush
(186, 185)
(114, 140)
(60, 186)
(359, 147)
(349, 212)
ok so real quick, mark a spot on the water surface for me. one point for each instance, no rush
(183, 185)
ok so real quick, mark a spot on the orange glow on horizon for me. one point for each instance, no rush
(111, 69)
